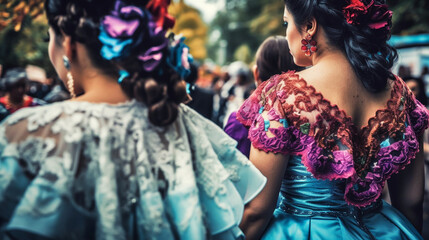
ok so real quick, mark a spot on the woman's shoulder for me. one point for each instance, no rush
(51, 119)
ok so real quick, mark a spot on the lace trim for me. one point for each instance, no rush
(330, 145)
(77, 148)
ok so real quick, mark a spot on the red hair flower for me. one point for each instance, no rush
(158, 8)
(375, 16)
(355, 10)
(381, 17)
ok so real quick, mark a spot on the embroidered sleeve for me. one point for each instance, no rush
(389, 145)
(417, 114)
(269, 129)
(293, 119)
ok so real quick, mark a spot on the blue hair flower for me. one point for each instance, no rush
(179, 58)
(112, 48)
(122, 75)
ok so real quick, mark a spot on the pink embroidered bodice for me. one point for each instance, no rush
(302, 122)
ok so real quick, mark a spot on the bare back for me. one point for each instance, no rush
(339, 84)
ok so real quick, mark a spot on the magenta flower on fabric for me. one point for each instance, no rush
(419, 118)
(326, 165)
(362, 192)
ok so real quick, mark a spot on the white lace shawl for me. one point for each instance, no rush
(110, 164)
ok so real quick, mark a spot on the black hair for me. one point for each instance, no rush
(80, 19)
(421, 85)
(193, 76)
(273, 57)
(366, 48)
(13, 78)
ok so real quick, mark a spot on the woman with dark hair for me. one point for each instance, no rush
(328, 137)
(417, 87)
(124, 159)
(272, 57)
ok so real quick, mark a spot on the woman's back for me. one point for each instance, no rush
(336, 170)
(338, 83)
(72, 167)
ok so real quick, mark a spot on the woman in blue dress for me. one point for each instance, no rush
(330, 136)
(124, 159)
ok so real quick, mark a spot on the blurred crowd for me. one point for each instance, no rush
(27, 87)
(216, 92)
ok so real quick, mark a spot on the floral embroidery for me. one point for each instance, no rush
(330, 145)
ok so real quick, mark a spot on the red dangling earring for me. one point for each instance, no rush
(309, 46)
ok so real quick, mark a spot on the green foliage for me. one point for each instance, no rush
(409, 17)
(244, 54)
(26, 46)
(251, 21)
(236, 25)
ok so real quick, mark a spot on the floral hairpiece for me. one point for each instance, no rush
(131, 30)
(179, 58)
(376, 16)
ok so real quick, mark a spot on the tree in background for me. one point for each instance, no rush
(238, 29)
(14, 12)
(234, 25)
(190, 24)
(23, 28)
(249, 22)
(409, 17)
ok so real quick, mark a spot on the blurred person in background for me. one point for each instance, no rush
(15, 85)
(272, 57)
(219, 104)
(58, 91)
(425, 77)
(202, 98)
(234, 90)
(404, 71)
(417, 86)
(38, 85)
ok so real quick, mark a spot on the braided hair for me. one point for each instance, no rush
(154, 74)
(361, 32)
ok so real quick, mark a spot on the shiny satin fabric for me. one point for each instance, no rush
(316, 209)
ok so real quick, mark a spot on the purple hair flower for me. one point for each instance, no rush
(119, 30)
(155, 44)
(132, 30)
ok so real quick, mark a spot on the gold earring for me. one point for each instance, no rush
(70, 80)
(70, 84)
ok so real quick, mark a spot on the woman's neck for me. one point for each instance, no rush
(101, 88)
(329, 56)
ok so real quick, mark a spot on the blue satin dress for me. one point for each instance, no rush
(316, 209)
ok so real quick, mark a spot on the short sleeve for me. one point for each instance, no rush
(418, 114)
(264, 112)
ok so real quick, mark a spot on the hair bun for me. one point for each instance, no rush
(154, 91)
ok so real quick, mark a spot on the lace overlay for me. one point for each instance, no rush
(133, 179)
(288, 116)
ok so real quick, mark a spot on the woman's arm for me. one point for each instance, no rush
(407, 189)
(258, 212)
